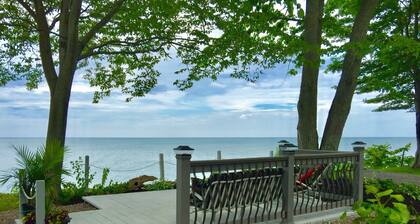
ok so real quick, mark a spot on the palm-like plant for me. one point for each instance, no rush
(41, 164)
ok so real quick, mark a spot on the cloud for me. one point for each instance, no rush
(225, 108)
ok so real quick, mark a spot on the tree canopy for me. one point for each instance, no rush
(391, 68)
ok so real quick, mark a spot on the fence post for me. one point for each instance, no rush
(87, 171)
(359, 147)
(219, 155)
(183, 160)
(22, 198)
(162, 166)
(40, 201)
(288, 185)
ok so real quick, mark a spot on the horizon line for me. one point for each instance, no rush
(206, 137)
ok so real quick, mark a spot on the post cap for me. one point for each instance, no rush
(288, 147)
(358, 143)
(183, 150)
(283, 142)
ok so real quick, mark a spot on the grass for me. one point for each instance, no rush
(407, 170)
(8, 201)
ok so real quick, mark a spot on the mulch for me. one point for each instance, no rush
(9, 217)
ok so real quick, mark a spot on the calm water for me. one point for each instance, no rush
(121, 154)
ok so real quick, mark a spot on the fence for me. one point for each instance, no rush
(160, 162)
(39, 196)
(255, 190)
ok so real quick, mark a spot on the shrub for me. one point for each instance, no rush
(56, 216)
(381, 156)
(159, 185)
(73, 192)
(412, 190)
(43, 164)
(376, 209)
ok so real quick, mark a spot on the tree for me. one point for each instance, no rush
(279, 36)
(116, 43)
(355, 49)
(308, 97)
(392, 69)
(243, 36)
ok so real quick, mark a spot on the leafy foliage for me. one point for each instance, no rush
(240, 38)
(381, 156)
(411, 190)
(375, 210)
(56, 216)
(392, 66)
(115, 44)
(41, 164)
(159, 186)
(73, 192)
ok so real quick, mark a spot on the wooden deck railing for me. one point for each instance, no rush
(253, 190)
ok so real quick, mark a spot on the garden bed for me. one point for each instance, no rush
(9, 216)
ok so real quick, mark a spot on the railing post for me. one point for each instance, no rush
(162, 166)
(87, 172)
(219, 155)
(22, 198)
(359, 147)
(40, 201)
(288, 186)
(183, 159)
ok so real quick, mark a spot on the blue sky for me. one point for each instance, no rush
(224, 108)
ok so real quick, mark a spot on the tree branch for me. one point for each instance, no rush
(91, 33)
(68, 66)
(45, 45)
(127, 52)
(27, 7)
(53, 22)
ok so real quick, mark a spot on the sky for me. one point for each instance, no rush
(223, 108)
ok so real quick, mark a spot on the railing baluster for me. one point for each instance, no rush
(263, 189)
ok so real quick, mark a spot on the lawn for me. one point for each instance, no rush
(408, 170)
(8, 201)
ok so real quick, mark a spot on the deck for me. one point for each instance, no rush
(130, 208)
(157, 207)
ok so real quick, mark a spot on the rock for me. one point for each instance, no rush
(136, 184)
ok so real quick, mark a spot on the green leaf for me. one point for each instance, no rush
(384, 193)
(301, 13)
(370, 189)
(398, 197)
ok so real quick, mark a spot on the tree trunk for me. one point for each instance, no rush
(57, 121)
(417, 107)
(307, 105)
(341, 104)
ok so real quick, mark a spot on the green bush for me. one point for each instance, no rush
(159, 185)
(73, 192)
(381, 156)
(376, 209)
(42, 164)
(407, 188)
